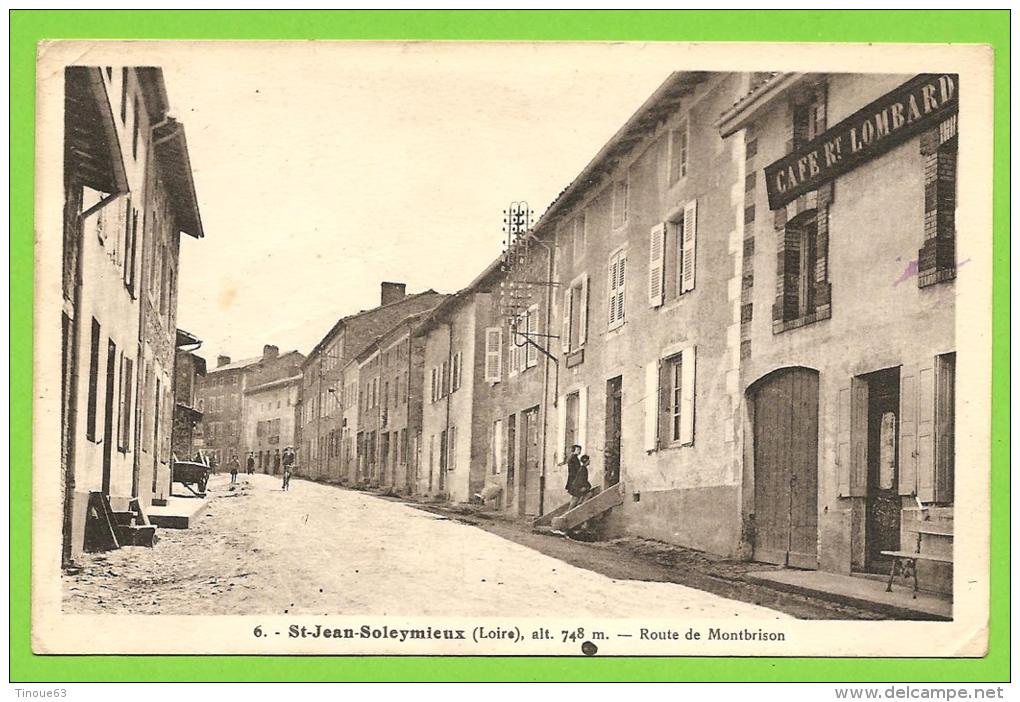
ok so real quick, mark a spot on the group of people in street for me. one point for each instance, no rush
(289, 458)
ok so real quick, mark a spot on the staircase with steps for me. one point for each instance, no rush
(106, 528)
(595, 506)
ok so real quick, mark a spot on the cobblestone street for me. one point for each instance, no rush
(319, 549)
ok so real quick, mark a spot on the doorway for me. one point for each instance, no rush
(882, 514)
(511, 457)
(786, 468)
(530, 460)
(111, 376)
(614, 423)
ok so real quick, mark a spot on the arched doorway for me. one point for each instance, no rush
(786, 467)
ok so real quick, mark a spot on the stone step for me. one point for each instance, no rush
(600, 504)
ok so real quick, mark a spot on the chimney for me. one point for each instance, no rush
(270, 352)
(391, 292)
(222, 361)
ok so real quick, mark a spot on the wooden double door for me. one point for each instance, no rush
(786, 468)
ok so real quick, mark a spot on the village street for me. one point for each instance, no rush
(319, 549)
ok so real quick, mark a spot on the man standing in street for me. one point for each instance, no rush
(234, 467)
(251, 463)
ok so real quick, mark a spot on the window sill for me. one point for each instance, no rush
(821, 313)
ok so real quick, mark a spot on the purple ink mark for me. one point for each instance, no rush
(909, 272)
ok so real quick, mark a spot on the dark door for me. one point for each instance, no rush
(882, 522)
(786, 468)
(111, 376)
(511, 457)
(614, 409)
(531, 478)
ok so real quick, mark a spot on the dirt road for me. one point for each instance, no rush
(318, 549)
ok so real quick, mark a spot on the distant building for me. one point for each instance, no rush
(320, 421)
(187, 417)
(221, 399)
(128, 196)
(272, 387)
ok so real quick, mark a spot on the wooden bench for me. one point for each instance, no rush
(906, 561)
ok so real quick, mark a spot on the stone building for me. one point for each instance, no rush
(128, 196)
(188, 366)
(320, 416)
(847, 317)
(221, 397)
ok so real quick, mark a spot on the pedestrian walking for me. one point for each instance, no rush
(251, 463)
(288, 465)
(580, 487)
(234, 467)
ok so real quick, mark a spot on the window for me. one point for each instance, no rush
(802, 271)
(575, 314)
(516, 354)
(124, 425)
(129, 252)
(669, 401)
(455, 372)
(136, 128)
(617, 282)
(493, 354)
(678, 152)
(672, 256)
(123, 95)
(90, 420)
(621, 198)
(444, 379)
(531, 350)
(579, 235)
(433, 392)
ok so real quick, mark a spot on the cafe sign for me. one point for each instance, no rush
(915, 106)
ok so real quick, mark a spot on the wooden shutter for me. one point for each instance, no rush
(926, 432)
(532, 330)
(908, 430)
(621, 280)
(858, 438)
(582, 418)
(687, 395)
(690, 237)
(945, 427)
(561, 427)
(843, 459)
(656, 258)
(582, 316)
(611, 288)
(565, 311)
(493, 355)
(651, 406)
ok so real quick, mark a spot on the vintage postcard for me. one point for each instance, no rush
(614, 349)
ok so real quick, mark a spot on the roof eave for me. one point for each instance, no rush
(746, 111)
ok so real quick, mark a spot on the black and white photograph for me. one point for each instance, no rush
(576, 349)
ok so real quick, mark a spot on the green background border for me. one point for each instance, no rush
(29, 27)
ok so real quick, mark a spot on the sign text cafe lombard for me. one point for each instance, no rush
(869, 132)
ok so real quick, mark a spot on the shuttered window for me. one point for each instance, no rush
(617, 286)
(656, 260)
(678, 149)
(126, 383)
(689, 251)
(574, 313)
(669, 401)
(621, 202)
(533, 338)
(493, 354)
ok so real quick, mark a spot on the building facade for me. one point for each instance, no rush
(320, 412)
(854, 239)
(128, 196)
